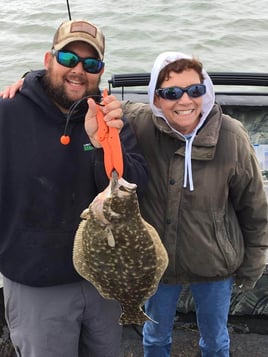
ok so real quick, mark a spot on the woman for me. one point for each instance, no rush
(205, 198)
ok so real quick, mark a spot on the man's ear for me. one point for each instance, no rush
(47, 59)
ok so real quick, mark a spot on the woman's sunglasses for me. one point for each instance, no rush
(174, 93)
(70, 59)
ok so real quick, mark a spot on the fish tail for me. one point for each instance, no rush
(137, 317)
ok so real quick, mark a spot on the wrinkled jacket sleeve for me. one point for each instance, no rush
(250, 202)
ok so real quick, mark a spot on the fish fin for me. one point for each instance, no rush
(85, 213)
(137, 317)
(110, 237)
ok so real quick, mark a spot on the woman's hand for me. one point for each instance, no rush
(10, 91)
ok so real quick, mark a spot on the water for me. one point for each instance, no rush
(225, 35)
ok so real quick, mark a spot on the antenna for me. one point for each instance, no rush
(69, 11)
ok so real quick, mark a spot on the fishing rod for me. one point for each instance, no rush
(68, 8)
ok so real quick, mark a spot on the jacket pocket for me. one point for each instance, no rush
(209, 243)
(229, 239)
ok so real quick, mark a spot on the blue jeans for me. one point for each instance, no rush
(212, 302)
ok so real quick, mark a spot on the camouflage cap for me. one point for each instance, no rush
(70, 31)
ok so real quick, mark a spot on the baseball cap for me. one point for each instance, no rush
(70, 31)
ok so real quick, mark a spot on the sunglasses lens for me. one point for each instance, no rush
(196, 90)
(172, 93)
(67, 59)
(92, 65)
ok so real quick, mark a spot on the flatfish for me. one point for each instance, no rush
(118, 251)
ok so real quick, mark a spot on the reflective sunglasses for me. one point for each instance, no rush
(70, 59)
(174, 93)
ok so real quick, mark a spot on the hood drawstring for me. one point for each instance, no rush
(65, 139)
(188, 163)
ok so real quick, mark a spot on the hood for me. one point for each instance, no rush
(208, 101)
(33, 89)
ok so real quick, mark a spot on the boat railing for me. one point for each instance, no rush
(218, 78)
(225, 79)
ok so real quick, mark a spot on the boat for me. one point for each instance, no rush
(243, 96)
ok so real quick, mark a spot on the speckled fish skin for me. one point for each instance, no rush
(118, 251)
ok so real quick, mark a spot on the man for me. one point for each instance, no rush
(44, 186)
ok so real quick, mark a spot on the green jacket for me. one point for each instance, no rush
(220, 228)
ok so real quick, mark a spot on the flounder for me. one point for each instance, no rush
(118, 251)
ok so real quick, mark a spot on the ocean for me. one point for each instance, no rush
(225, 35)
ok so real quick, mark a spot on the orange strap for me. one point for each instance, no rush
(110, 141)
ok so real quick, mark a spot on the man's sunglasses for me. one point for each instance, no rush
(70, 59)
(174, 93)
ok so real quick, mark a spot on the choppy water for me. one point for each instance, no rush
(224, 35)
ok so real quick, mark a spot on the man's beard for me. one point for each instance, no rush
(57, 93)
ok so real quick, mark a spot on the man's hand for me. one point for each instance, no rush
(10, 91)
(112, 115)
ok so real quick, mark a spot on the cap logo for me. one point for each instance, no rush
(84, 27)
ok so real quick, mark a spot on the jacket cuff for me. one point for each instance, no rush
(242, 284)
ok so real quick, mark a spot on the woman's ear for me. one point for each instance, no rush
(157, 101)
